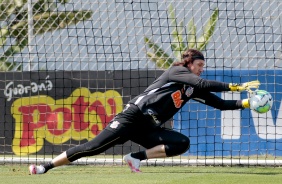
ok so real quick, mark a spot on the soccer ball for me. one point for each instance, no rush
(261, 101)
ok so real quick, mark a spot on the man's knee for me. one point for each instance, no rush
(185, 145)
(176, 149)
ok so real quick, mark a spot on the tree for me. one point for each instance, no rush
(14, 25)
(178, 45)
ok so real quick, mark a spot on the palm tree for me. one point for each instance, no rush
(14, 25)
(178, 45)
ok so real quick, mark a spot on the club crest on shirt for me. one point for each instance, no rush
(189, 91)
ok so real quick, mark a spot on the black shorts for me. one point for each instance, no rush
(132, 125)
(130, 119)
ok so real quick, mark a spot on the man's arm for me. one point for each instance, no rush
(212, 100)
(183, 75)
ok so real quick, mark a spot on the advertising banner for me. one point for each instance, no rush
(48, 112)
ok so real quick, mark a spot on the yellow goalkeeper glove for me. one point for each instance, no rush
(246, 103)
(247, 86)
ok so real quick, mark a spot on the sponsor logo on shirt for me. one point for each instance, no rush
(176, 97)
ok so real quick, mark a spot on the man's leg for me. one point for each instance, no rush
(156, 152)
(117, 132)
(163, 143)
(133, 159)
(160, 144)
(99, 144)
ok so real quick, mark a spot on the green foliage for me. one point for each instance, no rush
(179, 44)
(46, 18)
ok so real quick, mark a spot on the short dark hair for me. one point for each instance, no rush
(189, 56)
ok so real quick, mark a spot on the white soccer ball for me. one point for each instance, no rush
(261, 101)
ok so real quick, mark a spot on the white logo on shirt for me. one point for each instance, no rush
(152, 113)
(114, 124)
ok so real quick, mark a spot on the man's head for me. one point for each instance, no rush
(193, 60)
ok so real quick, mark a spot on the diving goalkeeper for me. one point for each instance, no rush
(142, 117)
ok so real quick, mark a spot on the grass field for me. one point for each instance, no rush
(121, 174)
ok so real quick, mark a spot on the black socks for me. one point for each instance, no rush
(48, 166)
(141, 155)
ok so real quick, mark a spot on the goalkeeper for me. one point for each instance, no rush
(142, 117)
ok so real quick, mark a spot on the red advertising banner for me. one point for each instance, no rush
(48, 112)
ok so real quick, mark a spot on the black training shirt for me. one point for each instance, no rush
(167, 94)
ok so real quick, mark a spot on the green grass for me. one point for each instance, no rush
(164, 175)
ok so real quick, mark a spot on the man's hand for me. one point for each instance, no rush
(247, 86)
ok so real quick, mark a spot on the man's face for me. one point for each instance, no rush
(197, 67)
